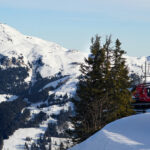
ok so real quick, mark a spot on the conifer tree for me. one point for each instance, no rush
(91, 92)
(120, 101)
(1, 142)
(61, 146)
(26, 146)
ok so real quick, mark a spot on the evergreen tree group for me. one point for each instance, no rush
(102, 93)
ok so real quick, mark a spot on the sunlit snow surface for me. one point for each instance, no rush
(130, 133)
(54, 57)
(6, 97)
(18, 139)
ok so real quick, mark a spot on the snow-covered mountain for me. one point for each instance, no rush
(40, 57)
(43, 75)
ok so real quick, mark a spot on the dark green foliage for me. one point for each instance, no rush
(135, 79)
(51, 99)
(11, 117)
(12, 80)
(42, 106)
(51, 130)
(38, 85)
(62, 124)
(90, 103)
(61, 146)
(26, 146)
(23, 117)
(38, 118)
(102, 89)
(34, 147)
(5, 61)
(121, 98)
(63, 116)
(28, 139)
(1, 142)
(75, 63)
(41, 144)
(55, 100)
(45, 81)
(40, 62)
(38, 97)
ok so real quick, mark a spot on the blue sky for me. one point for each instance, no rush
(72, 23)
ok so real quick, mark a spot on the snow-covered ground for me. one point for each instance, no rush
(129, 133)
(18, 139)
(7, 97)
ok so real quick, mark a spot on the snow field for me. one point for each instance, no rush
(129, 133)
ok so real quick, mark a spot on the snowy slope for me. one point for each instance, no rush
(18, 139)
(40, 57)
(136, 64)
(51, 57)
(130, 133)
(54, 57)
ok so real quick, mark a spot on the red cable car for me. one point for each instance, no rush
(142, 93)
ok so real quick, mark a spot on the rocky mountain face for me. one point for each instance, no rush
(37, 80)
